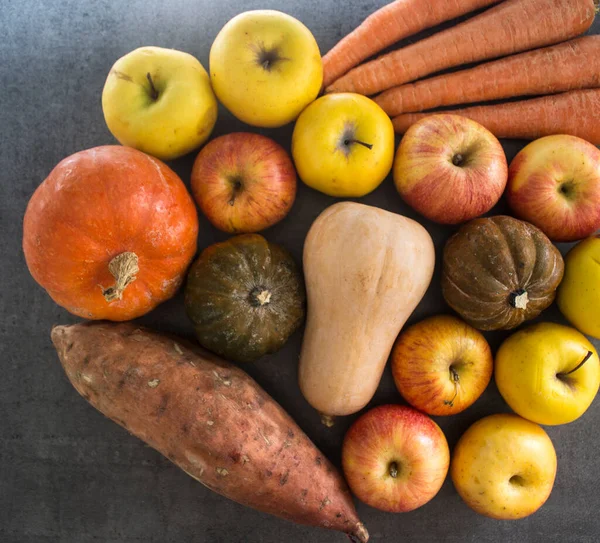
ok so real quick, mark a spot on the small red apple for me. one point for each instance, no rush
(554, 183)
(395, 458)
(244, 182)
(441, 365)
(450, 169)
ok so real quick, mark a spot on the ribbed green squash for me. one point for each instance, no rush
(245, 297)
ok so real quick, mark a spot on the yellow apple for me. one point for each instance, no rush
(504, 467)
(548, 373)
(579, 293)
(343, 145)
(159, 101)
(265, 67)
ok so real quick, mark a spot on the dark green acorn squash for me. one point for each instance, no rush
(245, 297)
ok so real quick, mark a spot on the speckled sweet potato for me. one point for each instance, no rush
(208, 417)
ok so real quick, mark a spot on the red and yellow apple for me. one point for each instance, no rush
(579, 292)
(504, 467)
(548, 373)
(450, 168)
(554, 183)
(159, 101)
(343, 145)
(244, 182)
(265, 67)
(441, 365)
(395, 458)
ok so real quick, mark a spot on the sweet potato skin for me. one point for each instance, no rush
(209, 418)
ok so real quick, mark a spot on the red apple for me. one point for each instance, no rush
(441, 365)
(554, 183)
(450, 169)
(395, 458)
(244, 182)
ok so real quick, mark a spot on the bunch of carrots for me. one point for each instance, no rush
(547, 61)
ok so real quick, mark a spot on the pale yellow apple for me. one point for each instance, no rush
(159, 101)
(343, 145)
(265, 67)
(579, 293)
(504, 467)
(548, 373)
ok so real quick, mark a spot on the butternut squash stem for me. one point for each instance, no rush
(124, 268)
(580, 365)
(327, 420)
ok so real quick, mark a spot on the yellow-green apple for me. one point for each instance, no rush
(504, 467)
(579, 292)
(343, 145)
(395, 458)
(450, 168)
(244, 182)
(548, 373)
(159, 101)
(441, 365)
(265, 67)
(554, 183)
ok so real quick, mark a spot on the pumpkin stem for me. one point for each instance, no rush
(123, 268)
(327, 420)
(519, 299)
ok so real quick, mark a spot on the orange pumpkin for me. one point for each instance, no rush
(110, 233)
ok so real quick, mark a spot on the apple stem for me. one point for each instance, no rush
(393, 470)
(458, 159)
(153, 91)
(455, 380)
(237, 187)
(587, 357)
(369, 146)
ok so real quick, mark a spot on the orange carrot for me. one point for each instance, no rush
(510, 27)
(571, 65)
(388, 25)
(576, 113)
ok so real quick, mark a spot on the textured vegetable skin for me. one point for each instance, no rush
(499, 272)
(245, 297)
(209, 418)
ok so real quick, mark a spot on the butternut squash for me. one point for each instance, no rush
(366, 270)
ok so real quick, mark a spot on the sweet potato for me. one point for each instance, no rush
(209, 418)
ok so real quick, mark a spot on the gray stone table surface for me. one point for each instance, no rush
(69, 475)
